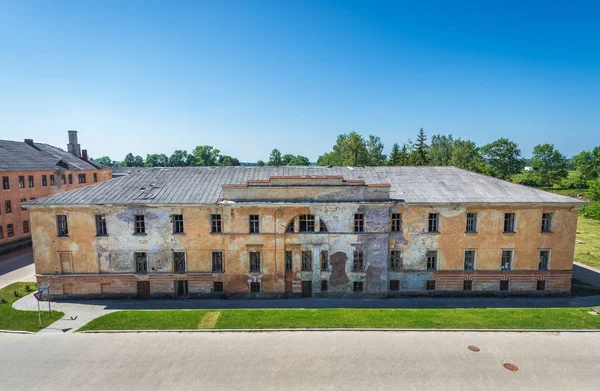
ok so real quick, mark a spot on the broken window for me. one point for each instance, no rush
(395, 259)
(434, 222)
(307, 223)
(507, 256)
(44, 180)
(307, 258)
(25, 227)
(471, 222)
(22, 206)
(359, 222)
(254, 224)
(357, 286)
(7, 206)
(396, 222)
(324, 285)
(177, 224)
(218, 286)
(432, 260)
(290, 227)
(509, 222)
(541, 285)
(430, 285)
(217, 262)
(181, 288)
(70, 179)
(394, 285)
(467, 285)
(544, 260)
(215, 223)
(21, 182)
(5, 183)
(63, 179)
(288, 261)
(359, 260)
(141, 262)
(101, 225)
(62, 226)
(255, 287)
(324, 260)
(95, 177)
(255, 262)
(81, 178)
(179, 261)
(31, 181)
(322, 226)
(140, 224)
(10, 230)
(51, 180)
(503, 285)
(469, 259)
(547, 222)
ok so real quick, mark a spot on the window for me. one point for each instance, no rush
(503, 285)
(51, 180)
(324, 285)
(95, 177)
(546, 222)
(25, 227)
(8, 206)
(290, 227)
(541, 285)
(434, 222)
(471, 222)
(432, 260)
(62, 226)
(5, 183)
(307, 258)
(509, 222)
(469, 259)
(218, 286)
(467, 285)
(81, 178)
(394, 285)
(395, 259)
(359, 260)
(44, 180)
(357, 286)
(396, 222)
(307, 223)
(30, 181)
(10, 230)
(101, 225)
(70, 179)
(255, 287)
(544, 260)
(63, 178)
(177, 224)
(254, 224)
(288, 261)
(255, 262)
(181, 288)
(21, 182)
(322, 226)
(217, 262)
(324, 261)
(215, 224)
(140, 224)
(359, 222)
(141, 263)
(23, 200)
(179, 261)
(430, 285)
(507, 256)
(1, 232)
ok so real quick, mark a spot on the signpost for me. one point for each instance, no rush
(38, 295)
(47, 290)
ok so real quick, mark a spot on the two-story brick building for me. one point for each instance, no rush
(303, 231)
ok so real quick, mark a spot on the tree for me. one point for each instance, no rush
(375, 151)
(595, 190)
(465, 155)
(440, 150)
(326, 159)
(225, 160)
(286, 159)
(550, 164)
(394, 159)
(419, 155)
(348, 150)
(299, 160)
(588, 163)
(156, 160)
(260, 163)
(275, 158)
(133, 161)
(138, 161)
(206, 155)
(503, 157)
(180, 158)
(105, 161)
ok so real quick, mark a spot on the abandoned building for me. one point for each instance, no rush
(303, 232)
(32, 170)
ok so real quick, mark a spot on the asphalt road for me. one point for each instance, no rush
(19, 268)
(300, 360)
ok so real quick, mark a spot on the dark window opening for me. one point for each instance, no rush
(471, 222)
(70, 179)
(44, 180)
(254, 224)
(430, 285)
(290, 227)
(434, 222)
(101, 225)
(141, 263)
(217, 262)
(544, 260)
(21, 182)
(324, 260)
(255, 287)
(359, 222)
(10, 230)
(218, 286)
(215, 224)
(25, 227)
(63, 179)
(323, 226)
(288, 261)
(179, 261)
(52, 180)
(177, 224)
(181, 288)
(432, 260)
(95, 177)
(140, 224)
(7, 206)
(541, 285)
(324, 285)
(547, 222)
(62, 226)
(81, 178)
(396, 222)
(1, 232)
(31, 181)
(503, 285)
(509, 222)
(5, 183)
(307, 258)
(395, 259)
(23, 200)
(506, 262)
(357, 286)
(467, 285)
(307, 223)
(469, 260)
(359, 260)
(255, 262)
(394, 285)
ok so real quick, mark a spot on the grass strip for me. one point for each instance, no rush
(11, 319)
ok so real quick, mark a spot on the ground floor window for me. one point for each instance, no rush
(324, 286)
(503, 285)
(394, 285)
(357, 286)
(467, 285)
(541, 285)
(181, 288)
(430, 285)
(218, 286)
(255, 287)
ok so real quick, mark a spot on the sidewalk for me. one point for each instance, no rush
(18, 268)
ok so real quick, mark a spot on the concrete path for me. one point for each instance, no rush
(18, 268)
(301, 361)
(586, 274)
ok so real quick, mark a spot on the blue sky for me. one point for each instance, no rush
(247, 77)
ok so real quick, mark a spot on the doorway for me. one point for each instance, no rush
(181, 288)
(306, 288)
(143, 290)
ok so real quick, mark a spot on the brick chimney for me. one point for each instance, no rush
(29, 141)
(73, 147)
(84, 154)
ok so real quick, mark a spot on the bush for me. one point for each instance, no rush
(595, 190)
(591, 211)
(28, 288)
(17, 294)
(2, 300)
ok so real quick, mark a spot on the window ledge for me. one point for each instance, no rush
(63, 236)
(102, 236)
(509, 232)
(221, 272)
(471, 232)
(433, 232)
(178, 233)
(216, 233)
(139, 234)
(546, 232)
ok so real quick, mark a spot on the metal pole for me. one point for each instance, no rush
(49, 309)
(39, 314)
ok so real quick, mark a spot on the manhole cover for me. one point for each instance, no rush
(473, 348)
(511, 367)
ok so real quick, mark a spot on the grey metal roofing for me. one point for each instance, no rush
(202, 185)
(20, 156)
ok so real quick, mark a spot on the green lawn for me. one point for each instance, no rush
(536, 318)
(588, 231)
(11, 319)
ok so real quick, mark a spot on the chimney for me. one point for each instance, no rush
(73, 147)
(29, 141)
(84, 155)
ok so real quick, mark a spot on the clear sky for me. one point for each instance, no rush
(250, 76)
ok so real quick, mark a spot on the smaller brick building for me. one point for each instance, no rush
(31, 170)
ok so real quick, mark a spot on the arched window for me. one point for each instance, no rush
(290, 227)
(322, 226)
(306, 223)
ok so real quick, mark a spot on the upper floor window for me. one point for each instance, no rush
(21, 182)
(359, 222)
(5, 183)
(23, 200)
(52, 180)
(215, 224)
(290, 227)
(70, 179)
(322, 226)
(63, 179)
(471, 222)
(10, 230)
(307, 258)
(255, 262)
(288, 261)
(509, 222)
(62, 226)
(217, 261)
(544, 260)
(307, 223)
(395, 259)
(101, 225)
(7, 206)
(1, 232)
(31, 181)
(359, 260)
(324, 260)
(44, 180)
(432, 260)
(396, 222)
(140, 224)
(254, 224)
(179, 261)
(506, 262)
(141, 262)
(546, 222)
(433, 222)
(469, 259)
(95, 177)
(178, 224)
(81, 178)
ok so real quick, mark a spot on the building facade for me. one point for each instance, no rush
(31, 170)
(304, 232)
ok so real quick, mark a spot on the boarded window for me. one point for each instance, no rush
(432, 260)
(140, 224)
(509, 222)
(177, 224)
(396, 222)
(44, 180)
(395, 259)
(81, 178)
(547, 222)
(288, 261)
(218, 286)
(254, 224)
(507, 256)
(255, 287)
(25, 227)
(307, 258)
(394, 285)
(503, 285)
(359, 222)
(62, 226)
(255, 262)
(324, 260)
(358, 263)
(141, 262)
(430, 285)
(357, 286)
(101, 225)
(544, 260)
(215, 224)
(467, 285)
(217, 261)
(434, 222)
(471, 222)
(469, 259)
(307, 223)
(179, 261)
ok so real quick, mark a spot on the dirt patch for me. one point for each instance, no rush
(209, 320)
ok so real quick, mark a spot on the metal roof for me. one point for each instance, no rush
(202, 185)
(20, 156)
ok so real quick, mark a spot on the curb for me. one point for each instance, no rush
(342, 329)
(16, 332)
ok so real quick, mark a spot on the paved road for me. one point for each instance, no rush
(587, 274)
(300, 360)
(19, 268)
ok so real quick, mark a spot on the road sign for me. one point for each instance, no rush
(38, 295)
